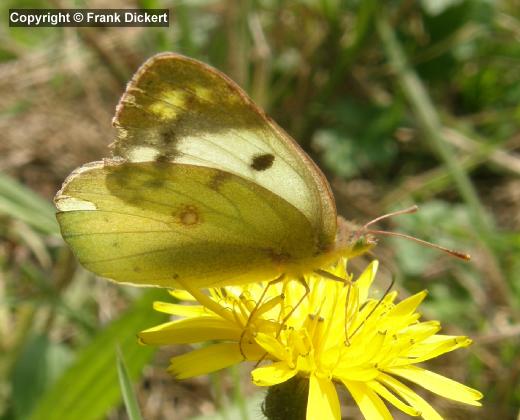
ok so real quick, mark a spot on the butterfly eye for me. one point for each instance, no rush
(363, 244)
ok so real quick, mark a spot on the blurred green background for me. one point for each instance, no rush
(399, 102)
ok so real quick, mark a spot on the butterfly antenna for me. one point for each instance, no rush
(453, 253)
(362, 229)
(408, 210)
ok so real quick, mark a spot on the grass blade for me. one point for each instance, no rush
(429, 121)
(129, 397)
(89, 388)
(19, 202)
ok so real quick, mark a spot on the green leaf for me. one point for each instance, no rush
(38, 364)
(360, 137)
(89, 388)
(19, 202)
(131, 404)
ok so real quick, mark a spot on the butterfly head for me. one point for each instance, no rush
(352, 240)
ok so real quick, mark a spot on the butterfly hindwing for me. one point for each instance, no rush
(154, 223)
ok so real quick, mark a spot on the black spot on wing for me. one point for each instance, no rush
(262, 162)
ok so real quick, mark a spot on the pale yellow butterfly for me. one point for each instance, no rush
(203, 188)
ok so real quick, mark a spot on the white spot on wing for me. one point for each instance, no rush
(66, 203)
(142, 154)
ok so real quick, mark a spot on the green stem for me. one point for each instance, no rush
(218, 388)
(238, 395)
(437, 180)
(429, 122)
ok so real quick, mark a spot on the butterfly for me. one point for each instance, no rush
(202, 188)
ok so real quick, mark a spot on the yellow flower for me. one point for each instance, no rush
(336, 334)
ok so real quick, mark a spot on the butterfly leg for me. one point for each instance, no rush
(302, 281)
(331, 276)
(255, 310)
(347, 283)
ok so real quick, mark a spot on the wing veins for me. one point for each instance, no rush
(237, 217)
(169, 248)
(115, 212)
(202, 203)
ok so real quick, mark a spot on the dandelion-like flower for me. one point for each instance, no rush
(335, 334)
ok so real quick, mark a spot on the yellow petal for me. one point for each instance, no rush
(427, 352)
(272, 346)
(392, 399)
(323, 400)
(361, 374)
(190, 330)
(264, 308)
(209, 303)
(181, 295)
(439, 384)
(205, 360)
(409, 305)
(437, 345)
(372, 407)
(426, 410)
(180, 310)
(368, 350)
(340, 269)
(273, 374)
(366, 279)
(421, 331)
